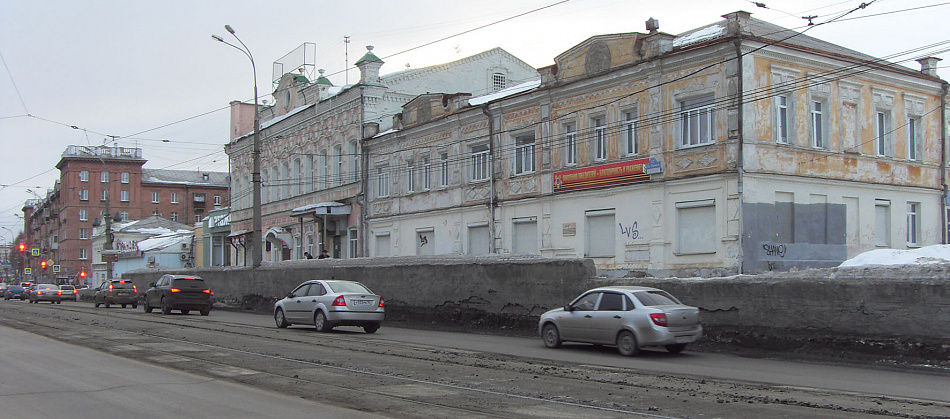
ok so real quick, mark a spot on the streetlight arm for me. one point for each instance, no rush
(246, 53)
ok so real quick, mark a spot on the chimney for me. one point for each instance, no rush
(928, 66)
(369, 66)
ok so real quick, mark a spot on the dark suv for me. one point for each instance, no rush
(179, 292)
(117, 291)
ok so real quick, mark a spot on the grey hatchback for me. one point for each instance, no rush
(626, 316)
(179, 292)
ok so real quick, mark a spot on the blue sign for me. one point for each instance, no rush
(653, 167)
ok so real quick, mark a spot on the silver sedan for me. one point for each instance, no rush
(626, 316)
(330, 303)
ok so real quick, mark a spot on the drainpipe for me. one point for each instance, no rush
(491, 179)
(364, 180)
(943, 160)
(739, 163)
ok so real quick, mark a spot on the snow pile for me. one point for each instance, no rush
(166, 240)
(523, 87)
(700, 35)
(939, 253)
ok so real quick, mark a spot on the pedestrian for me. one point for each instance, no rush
(324, 254)
(307, 255)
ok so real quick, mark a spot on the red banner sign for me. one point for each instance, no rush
(605, 175)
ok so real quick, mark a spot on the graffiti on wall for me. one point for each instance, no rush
(630, 231)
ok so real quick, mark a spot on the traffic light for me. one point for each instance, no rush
(82, 274)
(22, 247)
(43, 265)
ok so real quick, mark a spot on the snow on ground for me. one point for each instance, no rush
(939, 253)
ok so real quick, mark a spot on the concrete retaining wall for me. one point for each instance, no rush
(881, 306)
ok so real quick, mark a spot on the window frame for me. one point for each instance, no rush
(570, 144)
(382, 181)
(104, 177)
(443, 169)
(410, 176)
(174, 198)
(525, 154)
(479, 159)
(913, 138)
(782, 119)
(84, 176)
(84, 194)
(913, 224)
(881, 130)
(124, 177)
(156, 198)
(818, 124)
(598, 131)
(124, 196)
(701, 112)
(628, 131)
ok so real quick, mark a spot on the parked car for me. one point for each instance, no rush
(117, 291)
(179, 292)
(330, 303)
(14, 292)
(626, 316)
(69, 293)
(45, 292)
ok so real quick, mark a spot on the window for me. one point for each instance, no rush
(84, 176)
(324, 169)
(913, 138)
(298, 179)
(217, 200)
(339, 164)
(479, 162)
(696, 121)
(524, 154)
(83, 233)
(629, 133)
(881, 127)
(882, 223)
(817, 125)
(696, 227)
(355, 161)
(353, 243)
(83, 215)
(174, 197)
(611, 302)
(174, 216)
(287, 180)
(124, 177)
(197, 218)
(913, 223)
(425, 241)
(444, 169)
(104, 177)
(599, 131)
(382, 182)
(156, 213)
(124, 196)
(498, 81)
(426, 174)
(104, 195)
(83, 253)
(410, 176)
(154, 197)
(478, 239)
(383, 245)
(84, 195)
(200, 197)
(782, 119)
(525, 237)
(124, 215)
(570, 144)
(599, 235)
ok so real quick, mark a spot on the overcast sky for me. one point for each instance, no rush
(149, 72)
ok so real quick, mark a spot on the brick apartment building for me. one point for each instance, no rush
(99, 180)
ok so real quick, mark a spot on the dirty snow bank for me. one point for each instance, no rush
(939, 253)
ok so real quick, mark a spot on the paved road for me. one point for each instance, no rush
(44, 378)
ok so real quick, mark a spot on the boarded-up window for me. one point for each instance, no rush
(600, 233)
(383, 245)
(882, 222)
(696, 227)
(478, 239)
(525, 236)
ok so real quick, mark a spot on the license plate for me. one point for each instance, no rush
(362, 302)
(684, 339)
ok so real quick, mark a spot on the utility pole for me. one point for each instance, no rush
(346, 61)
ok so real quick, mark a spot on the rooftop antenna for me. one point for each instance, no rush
(346, 59)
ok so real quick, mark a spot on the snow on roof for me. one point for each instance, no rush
(700, 35)
(292, 112)
(165, 240)
(930, 254)
(513, 90)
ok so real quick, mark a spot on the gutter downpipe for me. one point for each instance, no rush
(740, 171)
(943, 160)
(491, 178)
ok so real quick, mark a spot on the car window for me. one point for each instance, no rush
(317, 289)
(67, 287)
(123, 285)
(628, 303)
(611, 302)
(655, 298)
(301, 290)
(587, 302)
(346, 286)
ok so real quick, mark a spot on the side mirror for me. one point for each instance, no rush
(289, 295)
(151, 284)
(568, 308)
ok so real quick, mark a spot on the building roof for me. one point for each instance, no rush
(152, 224)
(186, 177)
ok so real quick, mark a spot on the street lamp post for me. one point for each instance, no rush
(255, 155)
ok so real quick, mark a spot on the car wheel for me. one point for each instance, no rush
(280, 319)
(185, 311)
(59, 302)
(551, 336)
(135, 305)
(206, 311)
(371, 328)
(97, 305)
(123, 305)
(108, 305)
(147, 308)
(165, 309)
(675, 349)
(627, 344)
(320, 321)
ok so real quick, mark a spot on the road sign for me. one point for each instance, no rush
(56, 269)
(27, 271)
(35, 252)
(110, 257)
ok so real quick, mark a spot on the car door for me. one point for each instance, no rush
(313, 299)
(294, 307)
(575, 324)
(606, 321)
(154, 294)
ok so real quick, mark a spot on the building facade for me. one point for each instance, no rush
(737, 147)
(99, 185)
(311, 161)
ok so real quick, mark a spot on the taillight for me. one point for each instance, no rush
(381, 304)
(659, 319)
(60, 293)
(110, 287)
(135, 289)
(339, 301)
(208, 292)
(175, 290)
